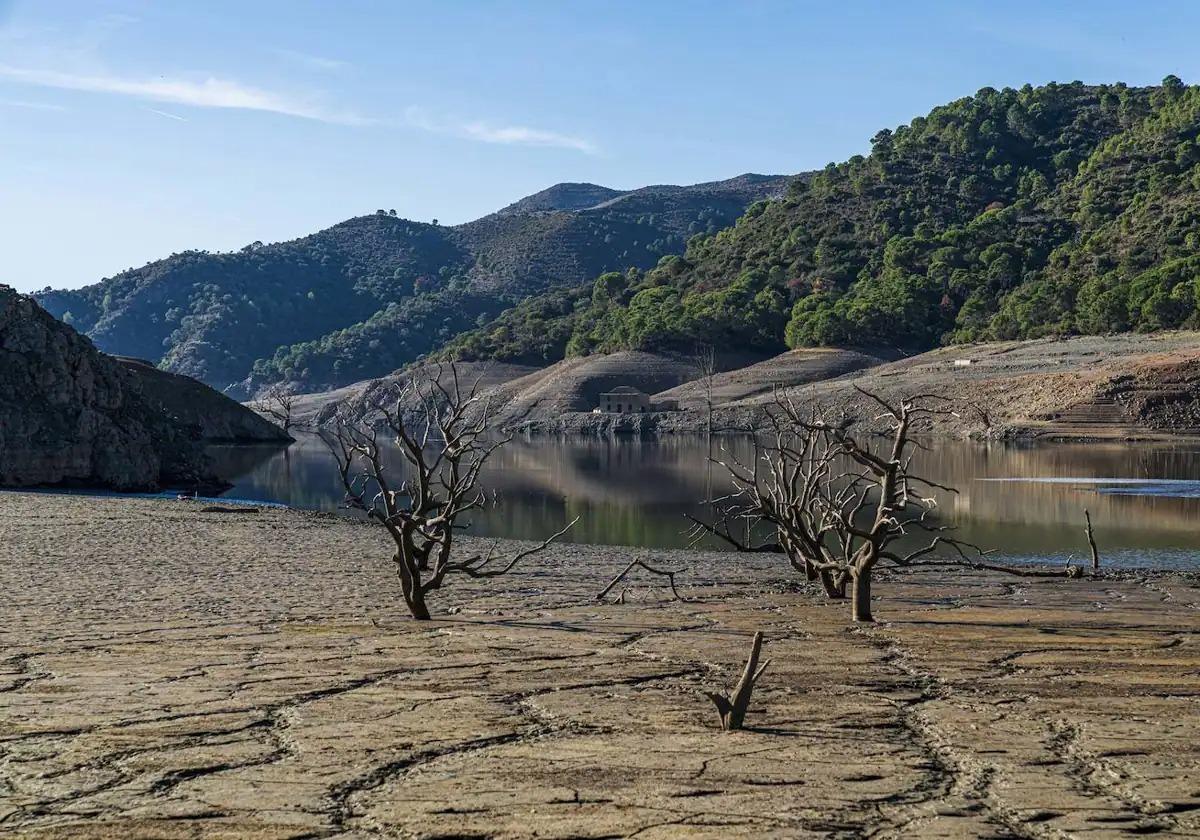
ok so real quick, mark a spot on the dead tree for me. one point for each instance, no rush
(840, 504)
(1091, 538)
(732, 709)
(705, 362)
(278, 405)
(444, 434)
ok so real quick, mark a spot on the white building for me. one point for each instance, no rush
(625, 400)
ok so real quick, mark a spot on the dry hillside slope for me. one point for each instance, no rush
(1115, 386)
(796, 367)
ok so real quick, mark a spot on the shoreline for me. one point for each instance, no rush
(1116, 561)
(665, 424)
(174, 673)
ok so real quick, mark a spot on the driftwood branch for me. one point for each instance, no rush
(669, 574)
(1024, 571)
(732, 709)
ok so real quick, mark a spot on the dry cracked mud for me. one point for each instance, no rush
(169, 673)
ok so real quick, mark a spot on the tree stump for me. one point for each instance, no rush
(732, 709)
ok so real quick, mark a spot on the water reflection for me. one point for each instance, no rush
(1025, 500)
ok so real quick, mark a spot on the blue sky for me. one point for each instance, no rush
(130, 129)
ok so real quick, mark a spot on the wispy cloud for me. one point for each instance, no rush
(213, 92)
(167, 114)
(509, 135)
(31, 106)
(209, 93)
(313, 62)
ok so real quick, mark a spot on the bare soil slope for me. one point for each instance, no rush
(1116, 386)
(249, 675)
(796, 367)
(576, 384)
(363, 396)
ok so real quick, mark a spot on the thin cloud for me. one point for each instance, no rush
(31, 106)
(313, 62)
(210, 93)
(509, 135)
(167, 114)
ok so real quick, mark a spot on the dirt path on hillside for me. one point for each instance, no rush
(169, 673)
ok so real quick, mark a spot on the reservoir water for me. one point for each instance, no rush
(1026, 501)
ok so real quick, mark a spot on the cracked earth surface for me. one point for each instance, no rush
(169, 673)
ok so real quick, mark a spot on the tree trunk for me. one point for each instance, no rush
(835, 587)
(860, 607)
(416, 606)
(410, 586)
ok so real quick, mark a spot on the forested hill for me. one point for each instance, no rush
(366, 296)
(1067, 208)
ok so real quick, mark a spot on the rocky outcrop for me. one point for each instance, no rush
(69, 415)
(217, 418)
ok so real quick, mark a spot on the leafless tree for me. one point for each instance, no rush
(840, 504)
(705, 362)
(444, 433)
(279, 405)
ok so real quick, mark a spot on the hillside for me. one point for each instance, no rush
(1113, 387)
(1010, 214)
(70, 415)
(370, 294)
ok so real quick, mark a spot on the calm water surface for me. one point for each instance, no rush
(1026, 501)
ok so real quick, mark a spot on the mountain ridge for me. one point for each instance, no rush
(371, 293)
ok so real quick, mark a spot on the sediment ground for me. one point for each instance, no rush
(173, 673)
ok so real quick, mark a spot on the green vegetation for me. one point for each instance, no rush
(1010, 214)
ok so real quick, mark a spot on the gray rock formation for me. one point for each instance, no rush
(69, 415)
(217, 418)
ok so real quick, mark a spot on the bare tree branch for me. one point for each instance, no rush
(669, 574)
(278, 405)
